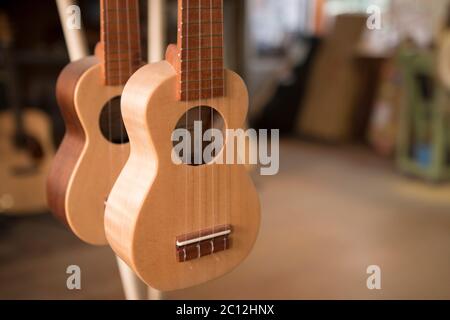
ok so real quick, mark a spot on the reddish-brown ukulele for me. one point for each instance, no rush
(95, 146)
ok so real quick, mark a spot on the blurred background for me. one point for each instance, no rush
(358, 91)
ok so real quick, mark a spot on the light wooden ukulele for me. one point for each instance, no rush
(95, 146)
(181, 225)
(444, 59)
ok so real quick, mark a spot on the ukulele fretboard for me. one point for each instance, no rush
(200, 47)
(120, 40)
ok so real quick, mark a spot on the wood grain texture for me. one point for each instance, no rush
(155, 201)
(98, 164)
(72, 144)
(86, 164)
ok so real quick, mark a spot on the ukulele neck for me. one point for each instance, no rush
(120, 49)
(200, 47)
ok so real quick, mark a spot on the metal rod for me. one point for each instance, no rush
(75, 37)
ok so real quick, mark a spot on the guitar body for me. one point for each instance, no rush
(87, 163)
(26, 145)
(22, 186)
(154, 201)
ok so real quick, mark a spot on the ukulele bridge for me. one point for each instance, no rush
(204, 243)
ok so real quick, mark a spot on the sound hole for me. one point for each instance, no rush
(111, 122)
(209, 118)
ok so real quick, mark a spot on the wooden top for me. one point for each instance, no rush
(200, 49)
(120, 48)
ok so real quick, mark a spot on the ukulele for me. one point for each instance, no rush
(444, 59)
(25, 141)
(179, 225)
(95, 147)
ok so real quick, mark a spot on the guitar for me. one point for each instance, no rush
(25, 142)
(95, 147)
(25, 159)
(178, 225)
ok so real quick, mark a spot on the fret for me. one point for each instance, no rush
(120, 35)
(203, 7)
(120, 5)
(116, 49)
(124, 62)
(200, 3)
(200, 37)
(200, 49)
(112, 11)
(122, 42)
(197, 95)
(203, 54)
(122, 17)
(206, 22)
(115, 75)
(201, 65)
(133, 57)
(202, 79)
(133, 49)
(122, 73)
(114, 78)
(201, 14)
(204, 84)
(114, 25)
(114, 43)
(198, 90)
(203, 42)
(126, 39)
(202, 29)
(196, 75)
(120, 32)
(201, 59)
(122, 66)
(125, 17)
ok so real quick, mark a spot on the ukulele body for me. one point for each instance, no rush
(87, 163)
(444, 59)
(22, 178)
(154, 201)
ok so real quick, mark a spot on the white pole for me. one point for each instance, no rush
(133, 287)
(156, 30)
(76, 42)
